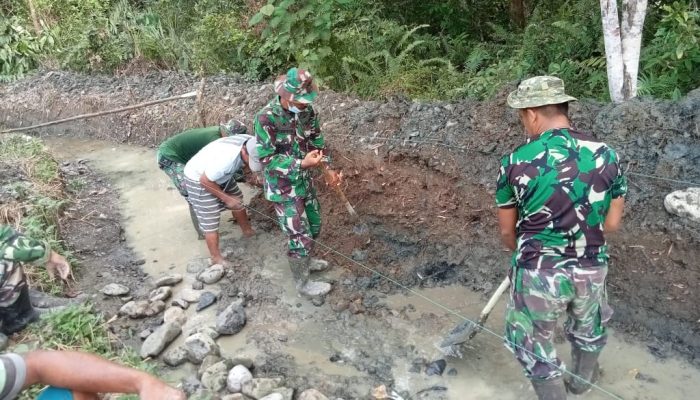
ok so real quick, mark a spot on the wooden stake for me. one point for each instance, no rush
(97, 114)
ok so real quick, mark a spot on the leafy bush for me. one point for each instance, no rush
(19, 49)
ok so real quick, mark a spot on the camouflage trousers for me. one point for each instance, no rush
(12, 282)
(300, 219)
(538, 298)
(176, 173)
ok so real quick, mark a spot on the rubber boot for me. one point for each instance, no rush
(318, 265)
(549, 389)
(195, 222)
(585, 366)
(306, 287)
(19, 314)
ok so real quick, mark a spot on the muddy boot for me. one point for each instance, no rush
(19, 314)
(549, 389)
(585, 364)
(318, 265)
(306, 287)
(195, 222)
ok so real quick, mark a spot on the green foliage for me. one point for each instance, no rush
(670, 64)
(19, 49)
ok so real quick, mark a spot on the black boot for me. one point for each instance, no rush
(585, 365)
(19, 314)
(549, 389)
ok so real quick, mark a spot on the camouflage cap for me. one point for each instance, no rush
(539, 91)
(297, 85)
(233, 127)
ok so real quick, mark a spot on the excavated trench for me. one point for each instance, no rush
(422, 177)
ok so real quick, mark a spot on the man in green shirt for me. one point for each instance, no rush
(558, 194)
(16, 310)
(176, 151)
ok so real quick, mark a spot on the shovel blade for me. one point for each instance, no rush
(459, 334)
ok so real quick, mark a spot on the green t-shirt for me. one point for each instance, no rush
(183, 146)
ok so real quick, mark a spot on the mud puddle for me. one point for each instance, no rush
(345, 354)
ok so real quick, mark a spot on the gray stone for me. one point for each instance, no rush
(684, 203)
(190, 385)
(175, 315)
(144, 334)
(205, 300)
(214, 378)
(273, 396)
(197, 285)
(209, 331)
(162, 293)
(175, 357)
(237, 377)
(260, 387)
(155, 307)
(206, 363)
(169, 280)
(159, 340)
(312, 394)
(180, 303)
(190, 295)
(135, 309)
(115, 289)
(199, 346)
(243, 360)
(212, 274)
(232, 319)
(235, 396)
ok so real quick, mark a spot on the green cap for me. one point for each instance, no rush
(234, 127)
(297, 85)
(539, 91)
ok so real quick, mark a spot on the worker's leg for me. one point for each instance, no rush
(313, 214)
(588, 314)
(16, 311)
(207, 209)
(239, 214)
(537, 299)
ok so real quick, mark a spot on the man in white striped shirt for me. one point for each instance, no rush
(211, 188)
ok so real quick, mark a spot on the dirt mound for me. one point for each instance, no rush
(422, 175)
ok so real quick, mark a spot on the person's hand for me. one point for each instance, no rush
(255, 179)
(153, 389)
(312, 159)
(232, 203)
(333, 178)
(58, 266)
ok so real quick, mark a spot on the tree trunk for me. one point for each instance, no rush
(633, 13)
(613, 48)
(517, 13)
(35, 19)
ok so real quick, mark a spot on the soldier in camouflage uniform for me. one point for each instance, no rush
(16, 310)
(557, 194)
(290, 147)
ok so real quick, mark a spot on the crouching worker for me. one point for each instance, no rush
(177, 150)
(76, 376)
(212, 188)
(16, 310)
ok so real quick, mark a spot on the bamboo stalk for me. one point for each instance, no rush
(97, 114)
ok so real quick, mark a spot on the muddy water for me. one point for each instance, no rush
(158, 228)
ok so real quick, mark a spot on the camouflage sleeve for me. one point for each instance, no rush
(274, 164)
(16, 247)
(505, 197)
(619, 184)
(317, 139)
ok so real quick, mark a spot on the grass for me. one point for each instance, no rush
(77, 328)
(32, 179)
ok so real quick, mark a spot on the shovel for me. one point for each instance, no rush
(466, 330)
(361, 228)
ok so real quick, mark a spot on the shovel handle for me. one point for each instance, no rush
(494, 298)
(340, 194)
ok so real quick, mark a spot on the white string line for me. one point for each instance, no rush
(445, 308)
(463, 148)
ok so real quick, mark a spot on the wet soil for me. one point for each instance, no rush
(388, 339)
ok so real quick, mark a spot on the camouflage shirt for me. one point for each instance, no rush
(562, 183)
(284, 139)
(16, 248)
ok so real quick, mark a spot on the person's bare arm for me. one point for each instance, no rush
(613, 219)
(507, 219)
(82, 372)
(214, 188)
